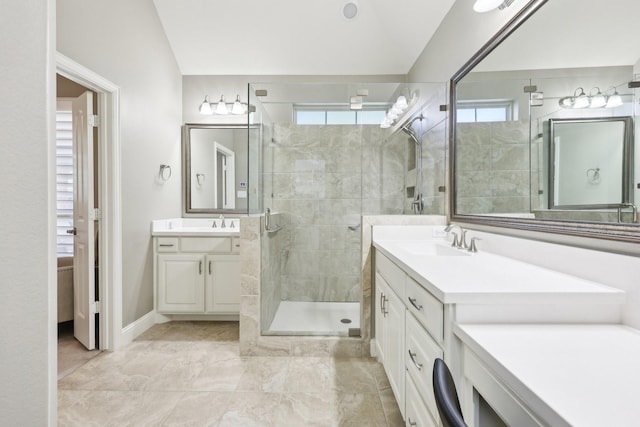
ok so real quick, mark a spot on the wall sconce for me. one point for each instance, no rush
(599, 100)
(221, 107)
(482, 6)
(395, 111)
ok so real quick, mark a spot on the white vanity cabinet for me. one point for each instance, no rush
(409, 324)
(197, 275)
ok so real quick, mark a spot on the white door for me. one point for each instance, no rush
(84, 248)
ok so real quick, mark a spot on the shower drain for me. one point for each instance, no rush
(345, 320)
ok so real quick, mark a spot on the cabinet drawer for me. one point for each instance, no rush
(167, 244)
(421, 352)
(391, 273)
(427, 309)
(417, 413)
(206, 244)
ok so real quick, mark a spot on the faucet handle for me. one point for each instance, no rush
(472, 244)
(462, 244)
(455, 242)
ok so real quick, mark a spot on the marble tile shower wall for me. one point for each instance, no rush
(493, 164)
(325, 178)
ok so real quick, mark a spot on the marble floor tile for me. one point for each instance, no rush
(192, 374)
(308, 409)
(251, 409)
(198, 409)
(266, 374)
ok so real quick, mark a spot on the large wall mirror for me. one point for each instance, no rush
(215, 177)
(544, 123)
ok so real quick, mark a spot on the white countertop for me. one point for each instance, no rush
(195, 227)
(581, 375)
(488, 278)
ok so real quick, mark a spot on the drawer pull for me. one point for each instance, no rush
(381, 303)
(166, 245)
(412, 423)
(412, 356)
(385, 311)
(413, 303)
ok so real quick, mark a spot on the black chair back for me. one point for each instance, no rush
(446, 395)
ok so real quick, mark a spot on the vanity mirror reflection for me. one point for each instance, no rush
(544, 123)
(215, 177)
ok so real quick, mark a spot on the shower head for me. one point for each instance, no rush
(408, 129)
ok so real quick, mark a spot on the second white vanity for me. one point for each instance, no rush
(197, 267)
(425, 289)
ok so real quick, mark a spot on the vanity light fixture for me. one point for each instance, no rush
(599, 100)
(221, 107)
(395, 111)
(614, 100)
(238, 107)
(205, 107)
(581, 100)
(482, 6)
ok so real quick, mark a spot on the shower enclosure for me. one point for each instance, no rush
(325, 161)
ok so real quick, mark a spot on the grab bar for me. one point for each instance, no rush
(634, 211)
(267, 223)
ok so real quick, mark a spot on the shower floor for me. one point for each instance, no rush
(315, 318)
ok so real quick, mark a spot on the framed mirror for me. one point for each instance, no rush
(215, 177)
(589, 162)
(536, 105)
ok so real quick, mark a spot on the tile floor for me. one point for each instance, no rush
(191, 374)
(71, 354)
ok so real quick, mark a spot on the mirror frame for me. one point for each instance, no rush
(186, 171)
(609, 231)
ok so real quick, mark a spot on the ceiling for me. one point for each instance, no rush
(571, 34)
(298, 37)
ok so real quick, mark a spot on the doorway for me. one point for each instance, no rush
(107, 220)
(77, 191)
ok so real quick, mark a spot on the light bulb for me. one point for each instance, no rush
(205, 107)
(237, 108)
(614, 100)
(581, 100)
(482, 6)
(222, 107)
(401, 102)
(598, 101)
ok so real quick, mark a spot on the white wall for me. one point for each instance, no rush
(27, 379)
(461, 34)
(123, 41)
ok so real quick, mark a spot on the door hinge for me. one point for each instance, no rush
(96, 307)
(95, 214)
(93, 121)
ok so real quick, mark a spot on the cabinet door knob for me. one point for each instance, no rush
(209, 268)
(200, 265)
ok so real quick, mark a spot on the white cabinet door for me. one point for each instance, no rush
(223, 284)
(379, 316)
(394, 342)
(181, 280)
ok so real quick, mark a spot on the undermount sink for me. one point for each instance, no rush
(423, 247)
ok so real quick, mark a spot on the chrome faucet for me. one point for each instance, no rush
(223, 224)
(461, 242)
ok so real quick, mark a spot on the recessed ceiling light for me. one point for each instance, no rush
(350, 9)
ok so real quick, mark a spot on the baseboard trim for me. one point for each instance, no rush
(136, 328)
